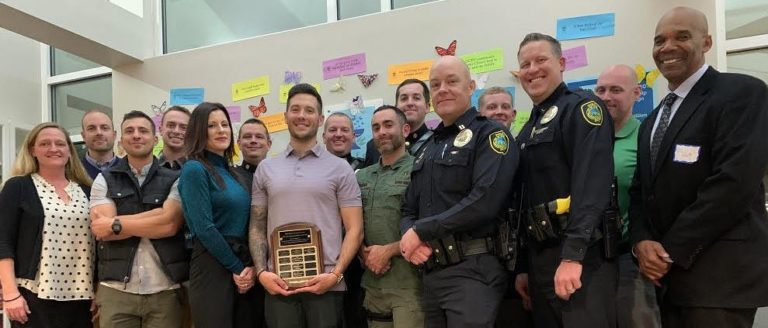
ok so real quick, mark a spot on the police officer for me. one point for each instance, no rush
(459, 190)
(566, 172)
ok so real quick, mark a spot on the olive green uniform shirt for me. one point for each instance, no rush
(382, 190)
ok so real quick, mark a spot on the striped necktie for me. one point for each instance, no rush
(661, 129)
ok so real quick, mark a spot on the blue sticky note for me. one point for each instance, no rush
(476, 96)
(644, 105)
(187, 96)
(586, 84)
(585, 26)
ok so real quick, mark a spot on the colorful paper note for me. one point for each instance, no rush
(275, 122)
(157, 119)
(485, 61)
(585, 26)
(187, 96)
(397, 73)
(644, 105)
(250, 88)
(520, 119)
(575, 57)
(284, 88)
(588, 83)
(346, 65)
(234, 113)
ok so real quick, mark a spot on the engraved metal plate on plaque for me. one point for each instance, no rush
(297, 253)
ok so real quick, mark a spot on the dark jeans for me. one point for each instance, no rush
(54, 314)
(593, 305)
(466, 294)
(354, 315)
(305, 310)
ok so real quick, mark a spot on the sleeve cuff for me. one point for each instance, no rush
(574, 249)
(421, 230)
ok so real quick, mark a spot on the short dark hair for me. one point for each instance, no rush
(138, 114)
(413, 81)
(175, 108)
(399, 113)
(304, 88)
(253, 120)
(557, 49)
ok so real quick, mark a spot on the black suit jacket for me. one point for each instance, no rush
(710, 214)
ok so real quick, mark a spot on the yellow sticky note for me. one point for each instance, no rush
(158, 148)
(284, 88)
(397, 73)
(275, 122)
(520, 119)
(485, 61)
(250, 88)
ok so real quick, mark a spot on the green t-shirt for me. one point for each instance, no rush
(383, 188)
(624, 163)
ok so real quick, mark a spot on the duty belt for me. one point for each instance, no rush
(448, 251)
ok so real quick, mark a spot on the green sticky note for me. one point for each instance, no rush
(485, 61)
(520, 119)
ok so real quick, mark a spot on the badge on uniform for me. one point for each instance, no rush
(499, 142)
(549, 115)
(592, 113)
(463, 138)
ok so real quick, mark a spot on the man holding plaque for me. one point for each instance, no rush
(456, 200)
(392, 285)
(301, 201)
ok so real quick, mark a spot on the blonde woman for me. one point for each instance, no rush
(46, 247)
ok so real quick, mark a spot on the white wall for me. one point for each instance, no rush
(393, 37)
(20, 84)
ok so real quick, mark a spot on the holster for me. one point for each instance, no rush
(449, 250)
(543, 227)
(508, 241)
(612, 224)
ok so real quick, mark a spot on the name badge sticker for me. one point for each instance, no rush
(687, 154)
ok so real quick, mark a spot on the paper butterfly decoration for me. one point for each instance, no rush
(260, 109)
(481, 80)
(292, 77)
(516, 74)
(158, 110)
(366, 80)
(451, 51)
(356, 105)
(338, 86)
(650, 77)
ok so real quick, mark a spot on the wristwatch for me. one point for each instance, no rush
(116, 226)
(339, 277)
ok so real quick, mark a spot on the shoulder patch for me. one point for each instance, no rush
(499, 142)
(592, 113)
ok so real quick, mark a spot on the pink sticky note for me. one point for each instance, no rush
(234, 113)
(575, 57)
(346, 65)
(157, 119)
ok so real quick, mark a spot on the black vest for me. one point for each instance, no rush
(116, 257)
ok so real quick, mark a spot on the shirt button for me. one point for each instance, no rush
(580, 251)
(156, 200)
(119, 194)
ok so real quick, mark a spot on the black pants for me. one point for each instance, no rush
(354, 315)
(593, 305)
(692, 317)
(466, 294)
(54, 314)
(213, 296)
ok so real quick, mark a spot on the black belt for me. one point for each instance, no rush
(475, 246)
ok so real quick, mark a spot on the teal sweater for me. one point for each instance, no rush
(212, 212)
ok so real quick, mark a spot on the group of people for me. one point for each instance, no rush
(589, 218)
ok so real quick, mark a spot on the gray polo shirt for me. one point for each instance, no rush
(311, 188)
(147, 275)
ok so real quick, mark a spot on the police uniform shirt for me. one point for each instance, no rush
(566, 149)
(461, 179)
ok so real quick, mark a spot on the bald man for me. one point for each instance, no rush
(635, 298)
(458, 191)
(697, 213)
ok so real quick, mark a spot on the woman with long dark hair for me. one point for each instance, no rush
(216, 208)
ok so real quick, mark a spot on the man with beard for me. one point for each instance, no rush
(305, 184)
(99, 135)
(136, 215)
(392, 285)
(412, 97)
